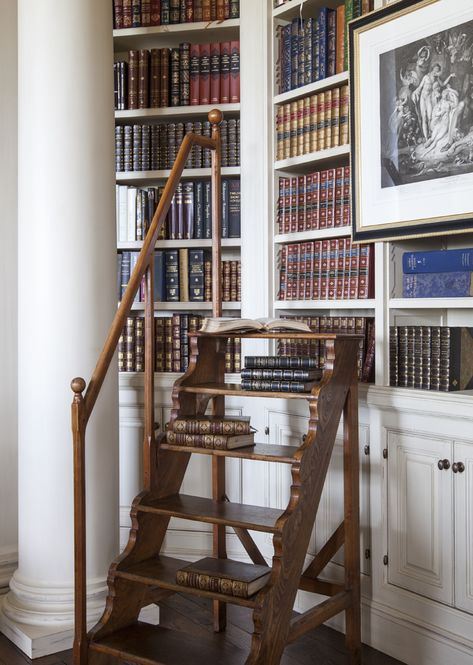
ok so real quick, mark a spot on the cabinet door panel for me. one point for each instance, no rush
(420, 518)
(463, 483)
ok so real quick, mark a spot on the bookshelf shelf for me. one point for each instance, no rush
(146, 177)
(184, 306)
(171, 112)
(316, 234)
(367, 304)
(322, 157)
(311, 88)
(431, 303)
(166, 35)
(293, 8)
(174, 244)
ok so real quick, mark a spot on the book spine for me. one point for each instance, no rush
(438, 285)
(143, 79)
(204, 75)
(275, 386)
(184, 74)
(234, 8)
(331, 42)
(145, 13)
(155, 12)
(212, 441)
(196, 275)
(212, 583)
(452, 260)
(215, 73)
(280, 362)
(280, 374)
(340, 40)
(172, 275)
(224, 426)
(225, 49)
(118, 14)
(135, 13)
(164, 87)
(234, 72)
(348, 17)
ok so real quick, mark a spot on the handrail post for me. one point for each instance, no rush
(80, 578)
(215, 118)
(149, 375)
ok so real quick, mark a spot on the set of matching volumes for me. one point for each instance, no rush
(331, 269)
(171, 344)
(312, 123)
(285, 374)
(144, 13)
(155, 146)
(446, 273)
(314, 201)
(431, 357)
(181, 275)
(187, 75)
(314, 48)
(231, 578)
(314, 348)
(189, 216)
(210, 432)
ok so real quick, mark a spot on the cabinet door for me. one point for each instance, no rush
(420, 517)
(463, 483)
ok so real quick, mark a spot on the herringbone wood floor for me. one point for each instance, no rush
(322, 646)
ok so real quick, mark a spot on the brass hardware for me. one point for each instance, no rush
(458, 467)
(443, 464)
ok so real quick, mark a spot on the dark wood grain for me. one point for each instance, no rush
(260, 451)
(236, 389)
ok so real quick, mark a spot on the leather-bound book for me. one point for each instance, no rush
(145, 13)
(220, 10)
(155, 77)
(127, 14)
(234, 72)
(135, 13)
(118, 14)
(204, 74)
(174, 11)
(198, 11)
(234, 8)
(175, 77)
(133, 79)
(143, 79)
(164, 92)
(184, 73)
(155, 12)
(165, 12)
(189, 15)
(206, 10)
(210, 441)
(225, 72)
(194, 74)
(215, 73)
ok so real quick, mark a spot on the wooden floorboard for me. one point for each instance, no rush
(323, 646)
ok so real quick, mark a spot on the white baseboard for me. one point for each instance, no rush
(8, 565)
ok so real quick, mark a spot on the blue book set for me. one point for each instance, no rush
(446, 273)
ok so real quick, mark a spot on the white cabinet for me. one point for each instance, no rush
(463, 492)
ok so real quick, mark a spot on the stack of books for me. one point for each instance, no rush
(287, 374)
(209, 432)
(446, 273)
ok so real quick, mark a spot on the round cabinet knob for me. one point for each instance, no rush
(443, 464)
(458, 467)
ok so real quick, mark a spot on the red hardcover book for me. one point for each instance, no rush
(309, 269)
(133, 59)
(354, 271)
(225, 72)
(220, 10)
(280, 218)
(189, 11)
(346, 269)
(323, 193)
(287, 206)
(127, 14)
(366, 271)
(194, 74)
(118, 14)
(204, 74)
(338, 203)
(332, 268)
(145, 13)
(324, 259)
(346, 215)
(316, 270)
(330, 197)
(340, 268)
(293, 212)
(155, 12)
(215, 73)
(282, 273)
(301, 203)
(234, 72)
(302, 271)
(315, 200)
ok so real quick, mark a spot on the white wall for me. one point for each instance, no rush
(8, 291)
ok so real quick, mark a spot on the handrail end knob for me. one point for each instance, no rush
(215, 116)
(78, 385)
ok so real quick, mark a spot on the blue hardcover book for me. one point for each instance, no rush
(309, 59)
(295, 31)
(286, 58)
(316, 51)
(322, 22)
(444, 260)
(159, 276)
(207, 210)
(199, 210)
(224, 230)
(438, 285)
(302, 55)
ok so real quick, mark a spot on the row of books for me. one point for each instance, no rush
(181, 275)
(438, 273)
(189, 216)
(209, 432)
(331, 269)
(144, 13)
(431, 357)
(316, 122)
(351, 325)
(314, 201)
(155, 146)
(275, 377)
(187, 75)
(313, 48)
(171, 344)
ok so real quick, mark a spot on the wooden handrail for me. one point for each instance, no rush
(83, 404)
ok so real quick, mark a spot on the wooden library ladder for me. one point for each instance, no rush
(141, 575)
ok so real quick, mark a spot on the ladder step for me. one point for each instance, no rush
(236, 389)
(161, 572)
(260, 451)
(144, 644)
(199, 509)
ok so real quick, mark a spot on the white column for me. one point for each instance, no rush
(67, 298)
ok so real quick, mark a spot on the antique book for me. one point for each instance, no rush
(229, 426)
(249, 373)
(210, 441)
(232, 578)
(276, 386)
(281, 362)
(225, 324)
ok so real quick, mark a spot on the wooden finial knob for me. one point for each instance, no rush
(215, 116)
(78, 385)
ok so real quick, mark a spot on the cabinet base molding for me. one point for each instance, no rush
(8, 565)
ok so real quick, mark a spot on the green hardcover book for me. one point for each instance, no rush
(348, 17)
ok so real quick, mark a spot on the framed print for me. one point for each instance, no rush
(411, 85)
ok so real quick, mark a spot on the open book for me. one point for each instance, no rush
(223, 324)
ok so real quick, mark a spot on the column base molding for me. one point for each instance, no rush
(8, 565)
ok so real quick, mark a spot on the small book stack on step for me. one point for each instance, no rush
(232, 578)
(210, 432)
(286, 374)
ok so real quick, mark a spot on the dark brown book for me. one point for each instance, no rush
(229, 426)
(127, 14)
(194, 74)
(225, 72)
(155, 12)
(206, 11)
(155, 77)
(184, 73)
(209, 441)
(198, 10)
(215, 73)
(232, 578)
(164, 88)
(204, 73)
(189, 11)
(133, 79)
(213, 10)
(145, 13)
(118, 14)
(174, 11)
(143, 79)
(175, 77)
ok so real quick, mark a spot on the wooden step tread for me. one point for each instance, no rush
(151, 645)
(161, 572)
(260, 451)
(236, 389)
(199, 509)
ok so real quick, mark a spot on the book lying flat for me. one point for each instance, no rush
(223, 324)
(210, 441)
(229, 426)
(232, 578)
